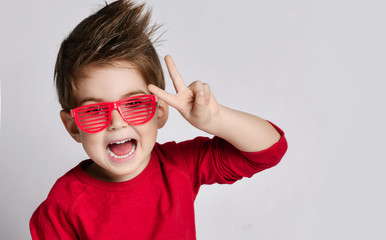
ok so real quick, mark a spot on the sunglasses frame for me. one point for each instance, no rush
(108, 107)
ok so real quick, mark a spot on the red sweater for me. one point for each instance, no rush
(157, 204)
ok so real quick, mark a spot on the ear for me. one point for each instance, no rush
(162, 113)
(70, 125)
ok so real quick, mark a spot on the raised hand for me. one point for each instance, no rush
(195, 102)
(198, 106)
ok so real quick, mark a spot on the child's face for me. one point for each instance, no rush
(121, 151)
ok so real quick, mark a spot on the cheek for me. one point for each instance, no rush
(149, 131)
(91, 142)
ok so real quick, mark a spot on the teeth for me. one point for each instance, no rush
(128, 140)
(123, 156)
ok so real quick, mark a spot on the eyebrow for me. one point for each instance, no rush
(93, 99)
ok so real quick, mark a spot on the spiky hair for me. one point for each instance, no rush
(120, 31)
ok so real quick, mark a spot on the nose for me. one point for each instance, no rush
(117, 121)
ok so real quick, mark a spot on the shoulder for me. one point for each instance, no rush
(51, 219)
(187, 145)
(170, 151)
(179, 156)
(66, 190)
(190, 154)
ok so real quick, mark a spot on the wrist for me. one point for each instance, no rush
(215, 125)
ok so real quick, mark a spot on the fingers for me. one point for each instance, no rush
(188, 100)
(194, 99)
(201, 92)
(178, 82)
(169, 98)
(202, 95)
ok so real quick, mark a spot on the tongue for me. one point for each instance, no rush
(121, 149)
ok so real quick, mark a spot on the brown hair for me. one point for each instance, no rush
(120, 31)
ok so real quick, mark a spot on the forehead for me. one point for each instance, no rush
(109, 82)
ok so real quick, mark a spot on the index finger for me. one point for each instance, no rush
(169, 98)
(178, 82)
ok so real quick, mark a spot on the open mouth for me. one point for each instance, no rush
(122, 149)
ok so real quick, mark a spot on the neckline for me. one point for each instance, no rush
(80, 173)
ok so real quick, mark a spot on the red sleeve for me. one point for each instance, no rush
(51, 219)
(49, 222)
(209, 161)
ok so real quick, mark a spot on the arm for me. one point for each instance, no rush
(246, 132)
(198, 106)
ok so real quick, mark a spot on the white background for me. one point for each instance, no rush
(315, 68)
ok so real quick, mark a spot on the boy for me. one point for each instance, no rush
(111, 87)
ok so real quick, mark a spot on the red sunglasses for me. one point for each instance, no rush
(134, 110)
